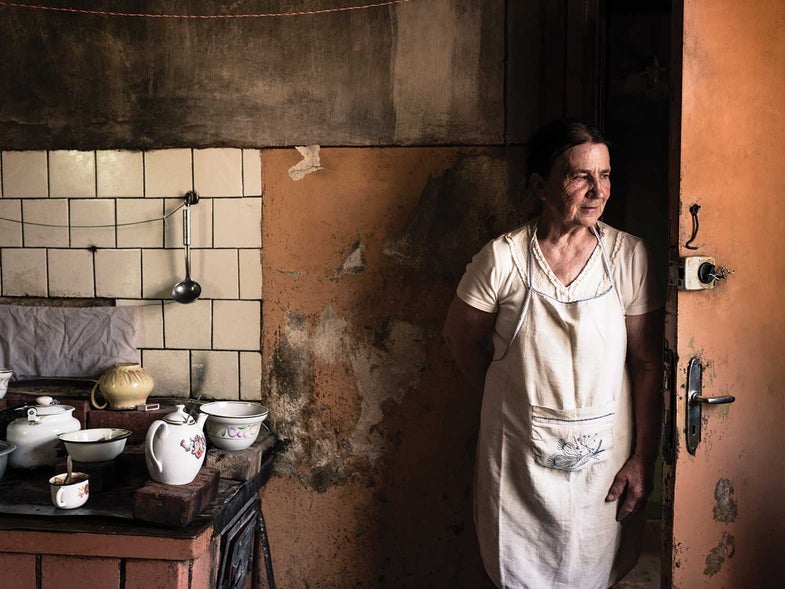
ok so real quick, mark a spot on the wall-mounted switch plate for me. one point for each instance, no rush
(696, 273)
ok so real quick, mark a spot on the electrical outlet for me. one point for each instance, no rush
(696, 273)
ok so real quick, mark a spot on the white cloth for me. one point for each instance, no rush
(66, 341)
(556, 422)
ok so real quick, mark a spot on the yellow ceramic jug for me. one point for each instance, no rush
(123, 387)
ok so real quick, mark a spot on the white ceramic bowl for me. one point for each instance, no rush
(5, 449)
(233, 425)
(5, 377)
(95, 445)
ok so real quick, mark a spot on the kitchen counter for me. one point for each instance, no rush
(25, 503)
(222, 544)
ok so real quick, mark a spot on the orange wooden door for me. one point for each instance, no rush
(728, 139)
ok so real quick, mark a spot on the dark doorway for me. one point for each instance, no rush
(636, 114)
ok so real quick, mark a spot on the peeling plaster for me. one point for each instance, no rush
(308, 165)
(292, 273)
(353, 260)
(328, 336)
(726, 508)
(717, 557)
(318, 452)
(385, 373)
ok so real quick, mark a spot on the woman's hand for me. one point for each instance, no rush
(633, 484)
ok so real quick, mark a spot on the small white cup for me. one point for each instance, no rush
(72, 495)
(5, 376)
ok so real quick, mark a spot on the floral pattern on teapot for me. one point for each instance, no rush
(196, 445)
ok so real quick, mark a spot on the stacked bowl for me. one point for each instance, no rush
(95, 445)
(233, 425)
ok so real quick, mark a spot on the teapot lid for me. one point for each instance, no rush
(179, 416)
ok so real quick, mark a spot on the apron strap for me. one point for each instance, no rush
(527, 281)
(607, 263)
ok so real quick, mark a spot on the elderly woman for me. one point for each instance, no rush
(559, 324)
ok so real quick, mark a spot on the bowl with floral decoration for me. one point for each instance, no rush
(233, 425)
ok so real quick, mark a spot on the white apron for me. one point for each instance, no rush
(556, 427)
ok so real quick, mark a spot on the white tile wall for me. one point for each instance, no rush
(161, 270)
(92, 223)
(120, 173)
(252, 172)
(132, 233)
(250, 262)
(71, 273)
(171, 372)
(188, 326)
(215, 374)
(238, 221)
(218, 172)
(101, 232)
(25, 174)
(10, 231)
(236, 325)
(250, 375)
(46, 222)
(118, 273)
(71, 174)
(24, 272)
(217, 272)
(168, 172)
(201, 223)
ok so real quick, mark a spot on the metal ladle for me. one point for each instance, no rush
(188, 290)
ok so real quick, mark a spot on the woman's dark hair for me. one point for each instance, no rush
(553, 139)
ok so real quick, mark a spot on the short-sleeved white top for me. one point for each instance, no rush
(492, 282)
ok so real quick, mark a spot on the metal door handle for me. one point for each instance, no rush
(695, 402)
(696, 398)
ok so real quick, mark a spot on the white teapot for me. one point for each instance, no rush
(174, 448)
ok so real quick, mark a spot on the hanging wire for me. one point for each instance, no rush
(202, 16)
(128, 224)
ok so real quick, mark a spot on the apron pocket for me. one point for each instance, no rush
(571, 439)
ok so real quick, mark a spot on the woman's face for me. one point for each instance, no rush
(579, 184)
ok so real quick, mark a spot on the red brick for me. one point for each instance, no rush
(63, 572)
(239, 465)
(104, 545)
(156, 574)
(176, 505)
(205, 568)
(18, 570)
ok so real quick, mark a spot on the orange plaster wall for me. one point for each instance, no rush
(360, 260)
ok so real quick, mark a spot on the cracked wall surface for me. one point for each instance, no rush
(361, 390)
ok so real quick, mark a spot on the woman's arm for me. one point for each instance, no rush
(644, 359)
(468, 334)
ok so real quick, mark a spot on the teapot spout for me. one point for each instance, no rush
(201, 419)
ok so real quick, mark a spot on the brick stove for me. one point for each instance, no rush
(134, 533)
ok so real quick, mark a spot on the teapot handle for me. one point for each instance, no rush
(148, 442)
(93, 402)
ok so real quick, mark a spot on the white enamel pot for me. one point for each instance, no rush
(35, 435)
